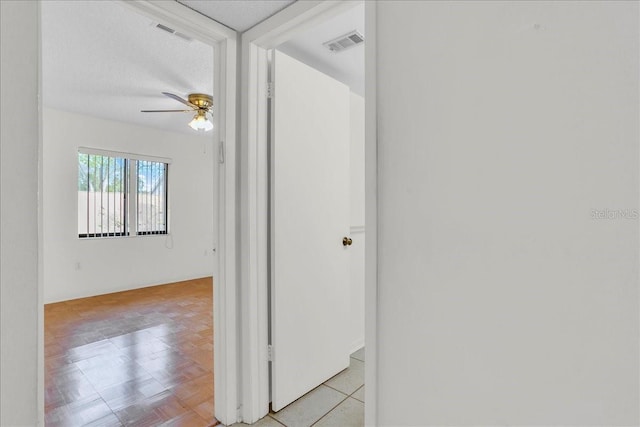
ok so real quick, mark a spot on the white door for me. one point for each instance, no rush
(309, 218)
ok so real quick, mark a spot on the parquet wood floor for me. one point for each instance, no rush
(136, 358)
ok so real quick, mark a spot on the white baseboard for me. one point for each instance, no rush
(357, 345)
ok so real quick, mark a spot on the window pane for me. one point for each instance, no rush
(152, 197)
(101, 195)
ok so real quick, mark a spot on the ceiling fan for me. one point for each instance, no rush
(198, 102)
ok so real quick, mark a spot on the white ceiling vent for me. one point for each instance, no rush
(172, 31)
(343, 42)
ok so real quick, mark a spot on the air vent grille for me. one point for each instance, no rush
(165, 28)
(172, 31)
(344, 42)
(182, 36)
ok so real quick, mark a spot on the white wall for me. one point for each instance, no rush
(19, 306)
(356, 166)
(501, 126)
(115, 264)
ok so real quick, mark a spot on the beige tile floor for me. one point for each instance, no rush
(339, 402)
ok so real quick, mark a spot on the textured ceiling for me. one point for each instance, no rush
(346, 66)
(104, 60)
(239, 15)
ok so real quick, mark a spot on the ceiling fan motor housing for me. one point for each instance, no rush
(201, 100)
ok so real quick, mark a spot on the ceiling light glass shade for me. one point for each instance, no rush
(200, 122)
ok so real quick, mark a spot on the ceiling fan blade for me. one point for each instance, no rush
(177, 98)
(166, 111)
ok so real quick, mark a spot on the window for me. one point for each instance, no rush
(152, 197)
(102, 188)
(121, 194)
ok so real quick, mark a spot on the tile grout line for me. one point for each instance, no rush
(330, 410)
(343, 400)
(278, 421)
(335, 389)
(351, 395)
(340, 391)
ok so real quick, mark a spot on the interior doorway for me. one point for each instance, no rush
(313, 323)
(193, 242)
(284, 39)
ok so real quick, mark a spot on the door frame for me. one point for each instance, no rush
(254, 198)
(225, 324)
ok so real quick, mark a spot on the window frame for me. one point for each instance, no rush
(131, 194)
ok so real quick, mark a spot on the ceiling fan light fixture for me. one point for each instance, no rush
(200, 122)
(199, 103)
